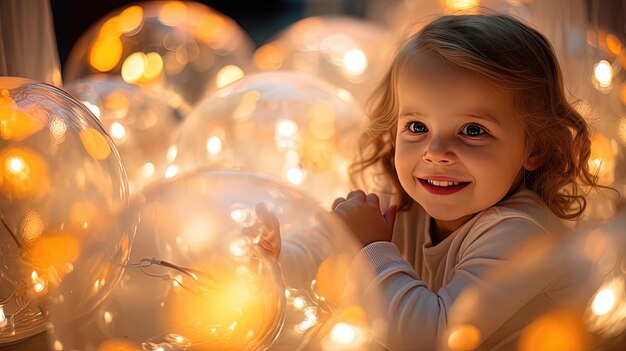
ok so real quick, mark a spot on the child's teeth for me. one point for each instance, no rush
(442, 183)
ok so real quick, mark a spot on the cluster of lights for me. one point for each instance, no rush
(208, 50)
(348, 53)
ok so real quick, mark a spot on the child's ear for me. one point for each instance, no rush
(533, 161)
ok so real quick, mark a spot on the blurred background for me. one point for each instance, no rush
(262, 19)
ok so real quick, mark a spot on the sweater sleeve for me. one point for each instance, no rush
(416, 317)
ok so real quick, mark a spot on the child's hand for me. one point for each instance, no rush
(267, 230)
(361, 213)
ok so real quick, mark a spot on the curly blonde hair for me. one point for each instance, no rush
(515, 57)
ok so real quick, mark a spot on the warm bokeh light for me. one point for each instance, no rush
(105, 53)
(130, 19)
(331, 277)
(173, 13)
(118, 345)
(133, 67)
(59, 179)
(613, 44)
(355, 61)
(23, 173)
(602, 158)
(286, 124)
(228, 75)
(350, 53)
(18, 125)
(461, 5)
(464, 338)
(214, 145)
(177, 47)
(268, 57)
(603, 302)
(606, 313)
(95, 143)
(558, 330)
(603, 74)
(140, 123)
(53, 255)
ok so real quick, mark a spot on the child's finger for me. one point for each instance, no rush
(356, 194)
(337, 202)
(372, 200)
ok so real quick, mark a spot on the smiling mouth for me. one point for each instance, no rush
(442, 187)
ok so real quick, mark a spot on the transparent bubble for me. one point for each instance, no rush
(582, 275)
(182, 48)
(139, 122)
(203, 273)
(350, 53)
(286, 124)
(60, 180)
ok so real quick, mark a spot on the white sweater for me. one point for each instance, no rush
(416, 284)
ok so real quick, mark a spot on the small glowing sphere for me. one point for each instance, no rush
(350, 53)
(603, 302)
(603, 74)
(464, 337)
(140, 124)
(225, 292)
(184, 49)
(60, 181)
(286, 124)
(343, 333)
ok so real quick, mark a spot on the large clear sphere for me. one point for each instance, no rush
(286, 124)
(60, 180)
(350, 53)
(201, 277)
(184, 48)
(585, 269)
(141, 125)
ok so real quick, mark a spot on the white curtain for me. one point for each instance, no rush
(27, 42)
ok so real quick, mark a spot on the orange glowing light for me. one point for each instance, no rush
(331, 278)
(154, 66)
(83, 214)
(613, 44)
(130, 19)
(23, 173)
(602, 158)
(461, 5)
(464, 337)
(95, 143)
(105, 53)
(227, 315)
(173, 13)
(134, 67)
(52, 254)
(268, 57)
(18, 125)
(118, 345)
(211, 29)
(559, 330)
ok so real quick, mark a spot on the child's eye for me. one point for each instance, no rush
(417, 127)
(473, 130)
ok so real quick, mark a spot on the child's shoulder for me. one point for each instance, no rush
(522, 207)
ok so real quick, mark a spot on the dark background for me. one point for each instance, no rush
(261, 19)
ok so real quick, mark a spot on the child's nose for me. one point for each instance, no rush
(438, 151)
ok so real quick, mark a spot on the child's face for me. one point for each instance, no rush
(459, 146)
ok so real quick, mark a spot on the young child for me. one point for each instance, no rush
(472, 128)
